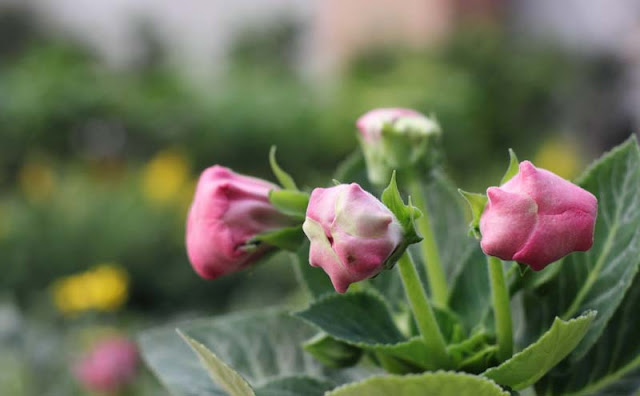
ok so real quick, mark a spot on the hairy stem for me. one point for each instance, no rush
(423, 313)
(501, 308)
(429, 248)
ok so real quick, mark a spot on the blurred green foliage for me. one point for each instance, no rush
(77, 140)
(60, 103)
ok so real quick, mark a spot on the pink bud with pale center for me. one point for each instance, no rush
(370, 124)
(227, 211)
(352, 233)
(110, 365)
(537, 218)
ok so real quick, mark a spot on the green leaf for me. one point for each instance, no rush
(223, 375)
(316, 281)
(363, 319)
(598, 279)
(477, 203)
(358, 318)
(409, 356)
(531, 364)
(471, 293)
(292, 203)
(438, 383)
(513, 167)
(447, 214)
(475, 353)
(295, 386)
(287, 238)
(283, 177)
(612, 366)
(332, 352)
(260, 346)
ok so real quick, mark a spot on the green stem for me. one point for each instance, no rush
(422, 312)
(429, 247)
(501, 308)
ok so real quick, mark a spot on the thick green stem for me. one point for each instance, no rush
(430, 254)
(422, 312)
(501, 308)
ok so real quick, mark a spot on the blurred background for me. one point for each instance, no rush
(109, 109)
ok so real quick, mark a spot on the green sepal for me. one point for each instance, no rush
(287, 238)
(332, 352)
(406, 215)
(290, 202)
(513, 167)
(283, 177)
(477, 203)
(404, 145)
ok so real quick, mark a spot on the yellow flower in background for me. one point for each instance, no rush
(560, 156)
(165, 176)
(103, 288)
(36, 181)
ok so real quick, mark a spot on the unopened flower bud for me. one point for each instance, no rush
(537, 218)
(394, 138)
(352, 233)
(227, 211)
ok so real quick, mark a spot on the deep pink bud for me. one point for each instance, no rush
(537, 218)
(109, 366)
(227, 211)
(352, 233)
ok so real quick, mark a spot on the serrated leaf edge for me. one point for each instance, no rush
(489, 381)
(587, 315)
(606, 157)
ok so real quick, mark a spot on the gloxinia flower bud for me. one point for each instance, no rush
(537, 218)
(227, 211)
(109, 366)
(394, 138)
(352, 233)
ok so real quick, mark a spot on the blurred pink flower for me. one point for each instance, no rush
(110, 365)
(537, 218)
(352, 233)
(227, 211)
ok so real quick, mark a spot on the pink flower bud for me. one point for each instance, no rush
(352, 233)
(537, 218)
(227, 211)
(109, 366)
